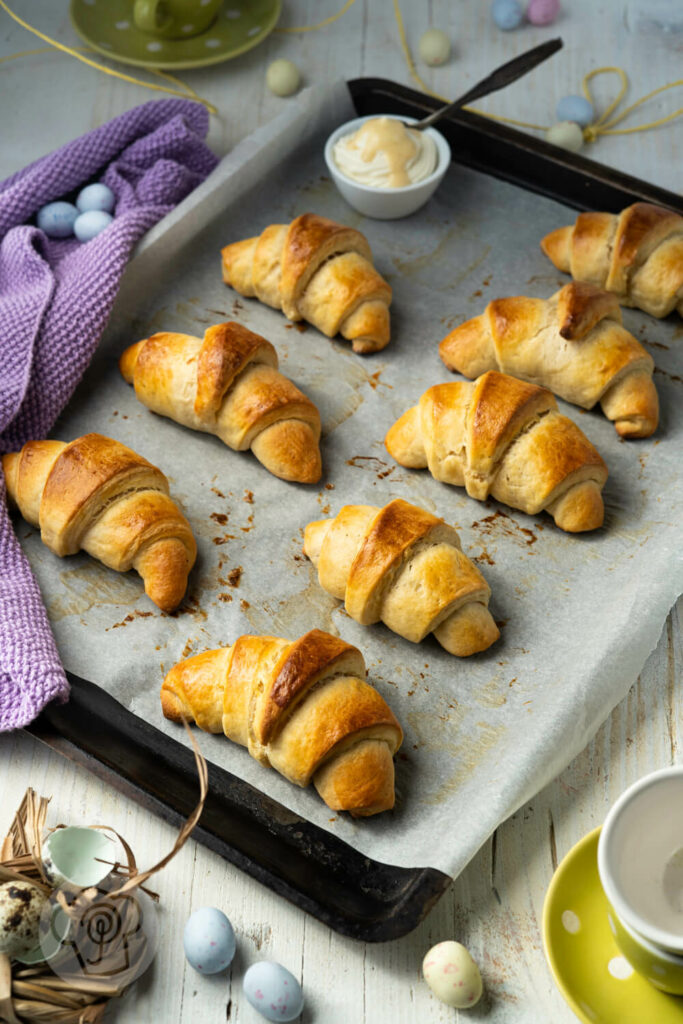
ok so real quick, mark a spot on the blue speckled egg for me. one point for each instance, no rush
(209, 941)
(89, 224)
(57, 219)
(273, 991)
(507, 14)
(96, 197)
(577, 109)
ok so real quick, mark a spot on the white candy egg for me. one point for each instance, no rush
(57, 219)
(434, 47)
(209, 941)
(273, 991)
(21, 905)
(96, 197)
(452, 975)
(283, 77)
(566, 135)
(90, 224)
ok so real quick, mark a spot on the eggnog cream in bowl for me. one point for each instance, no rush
(383, 168)
(640, 859)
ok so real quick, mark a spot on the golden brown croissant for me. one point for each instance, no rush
(504, 437)
(97, 495)
(302, 707)
(317, 270)
(403, 566)
(229, 385)
(573, 344)
(637, 254)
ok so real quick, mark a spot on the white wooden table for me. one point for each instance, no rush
(495, 906)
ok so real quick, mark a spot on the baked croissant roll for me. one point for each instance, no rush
(403, 566)
(302, 707)
(229, 385)
(573, 343)
(503, 437)
(317, 270)
(96, 495)
(637, 254)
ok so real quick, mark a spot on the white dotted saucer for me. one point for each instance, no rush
(598, 983)
(108, 27)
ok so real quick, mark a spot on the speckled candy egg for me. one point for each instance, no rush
(507, 14)
(21, 905)
(89, 224)
(209, 941)
(543, 12)
(434, 47)
(452, 975)
(273, 991)
(566, 135)
(57, 219)
(283, 77)
(575, 108)
(95, 197)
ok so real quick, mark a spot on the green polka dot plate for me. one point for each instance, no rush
(108, 27)
(595, 979)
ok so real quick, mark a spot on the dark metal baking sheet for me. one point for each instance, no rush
(315, 870)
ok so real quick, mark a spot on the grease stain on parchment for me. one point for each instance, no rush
(89, 586)
(466, 749)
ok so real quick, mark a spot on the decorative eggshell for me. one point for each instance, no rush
(575, 108)
(96, 197)
(57, 219)
(566, 135)
(543, 12)
(21, 905)
(75, 856)
(434, 47)
(452, 975)
(283, 77)
(209, 941)
(273, 991)
(89, 224)
(507, 14)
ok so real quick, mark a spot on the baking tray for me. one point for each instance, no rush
(322, 874)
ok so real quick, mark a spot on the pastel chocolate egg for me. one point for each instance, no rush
(209, 941)
(452, 975)
(566, 135)
(543, 12)
(575, 108)
(434, 47)
(57, 219)
(77, 856)
(21, 905)
(273, 991)
(283, 77)
(96, 197)
(89, 224)
(507, 14)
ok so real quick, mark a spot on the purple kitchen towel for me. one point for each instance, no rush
(55, 298)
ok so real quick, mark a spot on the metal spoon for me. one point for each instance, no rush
(498, 79)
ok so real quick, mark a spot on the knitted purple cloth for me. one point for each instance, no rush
(55, 298)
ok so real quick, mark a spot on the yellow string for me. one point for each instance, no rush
(321, 24)
(182, 89)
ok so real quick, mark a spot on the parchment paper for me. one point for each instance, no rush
(579, 614)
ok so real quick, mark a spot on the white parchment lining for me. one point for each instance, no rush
(579, 614)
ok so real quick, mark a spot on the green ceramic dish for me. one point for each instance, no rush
(589, 969)
(108, 27)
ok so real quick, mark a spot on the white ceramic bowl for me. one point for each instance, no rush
(640, 858)
(387, 203)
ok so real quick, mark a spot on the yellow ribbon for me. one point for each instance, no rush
(602, 126)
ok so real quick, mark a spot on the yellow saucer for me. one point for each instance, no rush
(598, 983)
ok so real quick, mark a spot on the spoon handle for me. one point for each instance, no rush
(498, 79)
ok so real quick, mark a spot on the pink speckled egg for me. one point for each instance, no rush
(452, 975)
(542, 12)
